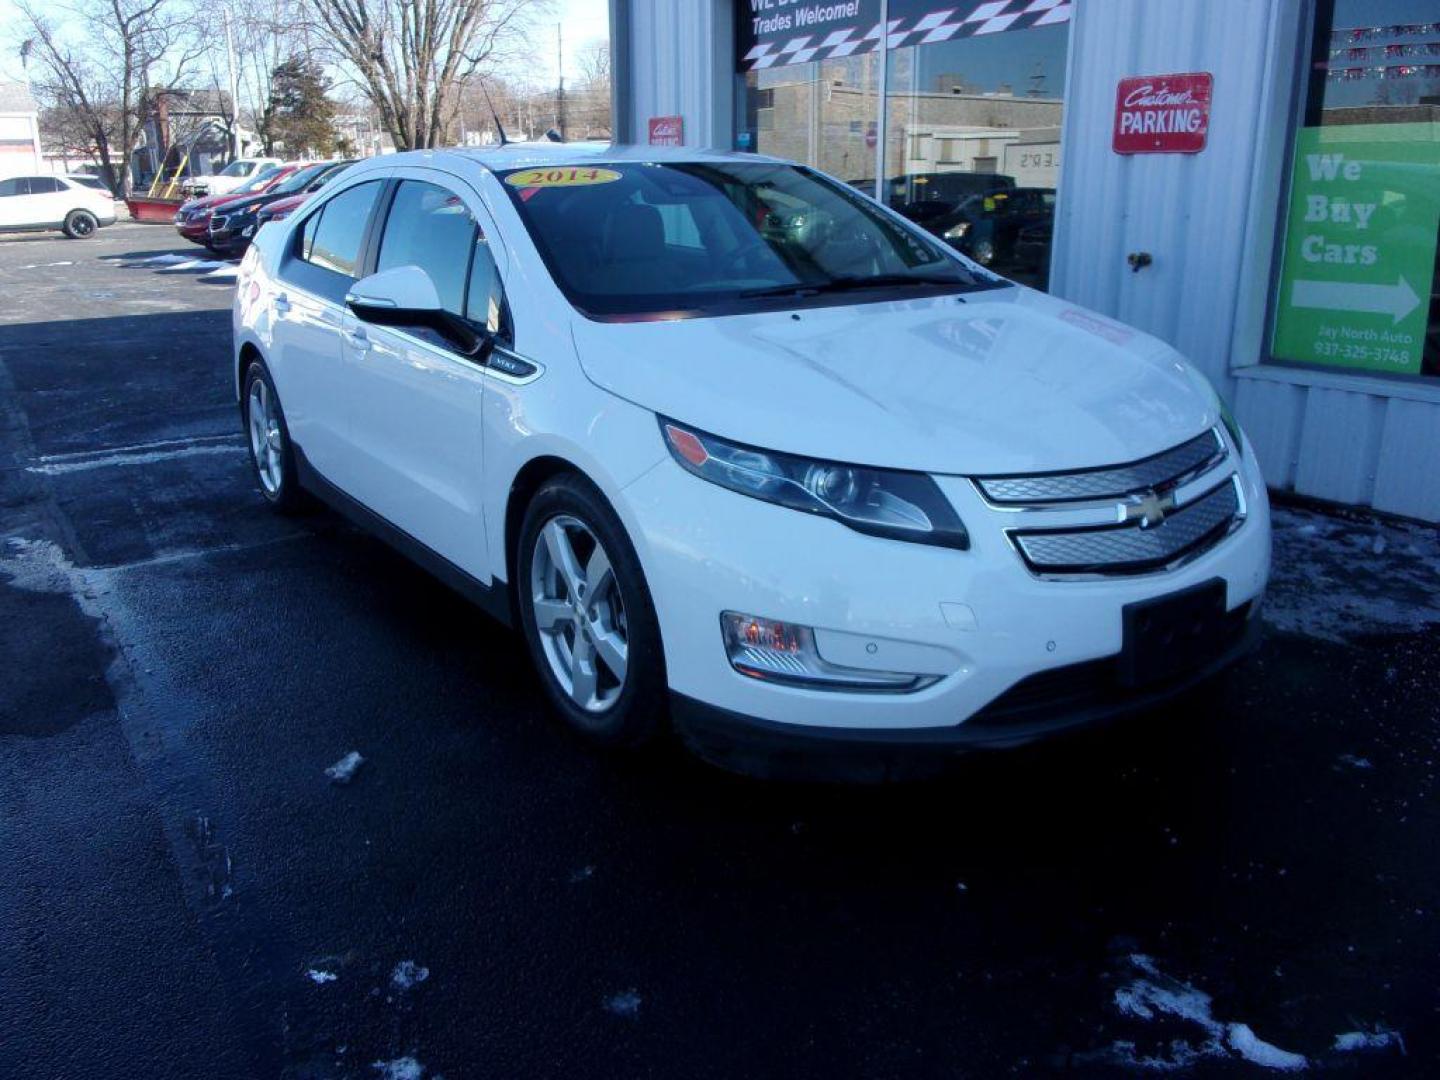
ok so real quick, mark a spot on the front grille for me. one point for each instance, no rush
(1096, 685)
(1164, 470)
(1129, 547)
(217, 223)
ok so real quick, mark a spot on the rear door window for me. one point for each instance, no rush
(340, 231)
(329, 243)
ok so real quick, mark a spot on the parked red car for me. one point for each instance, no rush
(192, 220)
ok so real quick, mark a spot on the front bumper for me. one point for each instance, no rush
(978, 619)
(1095, 696)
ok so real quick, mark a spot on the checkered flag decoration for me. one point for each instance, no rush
(944, 24)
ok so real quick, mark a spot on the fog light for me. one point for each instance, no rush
(785, 653)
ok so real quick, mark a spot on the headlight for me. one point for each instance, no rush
(254, 206)
(880, 502)
(1232, 426)
(957, 232)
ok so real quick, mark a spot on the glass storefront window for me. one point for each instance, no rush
(972, 111)
(1357, 277)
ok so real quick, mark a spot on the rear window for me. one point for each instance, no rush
(712, 238)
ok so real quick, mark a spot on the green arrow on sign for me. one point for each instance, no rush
(1396, 300)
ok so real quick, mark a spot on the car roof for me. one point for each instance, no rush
(546, 154)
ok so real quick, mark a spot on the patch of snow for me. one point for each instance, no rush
(1336, 579)
(168, 260)
(1352, 1041)
(408, 974)
(319, 977)
(1154, 995)
(1259, 1052)
(401, 1068)
(195, 264)
(626, 1003)
(40, 566)
(111, 459)
(343, 771)
(43, 266)
(1355, 762)
(225, 272)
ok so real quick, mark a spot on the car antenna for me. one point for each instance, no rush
(504, 139)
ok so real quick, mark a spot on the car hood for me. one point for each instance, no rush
(1003, 381)
(210, 202)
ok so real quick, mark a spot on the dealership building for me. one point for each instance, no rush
(1256, 182)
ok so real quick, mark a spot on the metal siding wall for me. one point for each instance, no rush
(1271, 415)
(679, 65)
(1187, 210)
(1407, 480)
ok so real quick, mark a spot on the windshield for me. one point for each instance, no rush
(238, 168)
(259, 182)
(301, 179)
(721, 238)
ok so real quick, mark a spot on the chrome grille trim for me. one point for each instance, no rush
(1186, 532)
(1160, 472)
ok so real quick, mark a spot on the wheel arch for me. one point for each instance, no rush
(527, 481)
(248, 353)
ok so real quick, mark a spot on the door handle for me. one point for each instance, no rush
(358, 340)
(282, 303)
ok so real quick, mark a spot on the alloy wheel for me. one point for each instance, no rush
(266, 442)
(579, 613)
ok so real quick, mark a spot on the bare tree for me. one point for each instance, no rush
(590, 102)
(134, 49)
(267, 33)
(412, 57)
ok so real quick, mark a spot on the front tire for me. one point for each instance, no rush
(271, 453)
(80, 224)
(587, 616)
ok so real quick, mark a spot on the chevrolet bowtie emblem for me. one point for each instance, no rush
(1148, 509)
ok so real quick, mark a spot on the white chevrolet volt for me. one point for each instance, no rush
(747, 455)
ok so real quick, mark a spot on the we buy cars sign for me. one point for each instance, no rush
(1162, 114)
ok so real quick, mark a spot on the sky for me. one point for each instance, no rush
(584, 21)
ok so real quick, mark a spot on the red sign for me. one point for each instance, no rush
(1162, 114)
(667, 131)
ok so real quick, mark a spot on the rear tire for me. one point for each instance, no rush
(271, 453)
(587, 616)
(80, 224)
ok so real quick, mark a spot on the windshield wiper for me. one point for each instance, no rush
(848, 282)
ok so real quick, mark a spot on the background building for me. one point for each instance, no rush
(19, 131)
(1287, 247)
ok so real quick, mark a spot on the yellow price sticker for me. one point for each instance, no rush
(568, 176)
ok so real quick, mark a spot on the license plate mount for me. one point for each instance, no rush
(1171, 634)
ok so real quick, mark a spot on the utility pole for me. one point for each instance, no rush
(234, 96)
(560, 66)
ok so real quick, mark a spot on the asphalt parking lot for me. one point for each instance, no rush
(1244, 883)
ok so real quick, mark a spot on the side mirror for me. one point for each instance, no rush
(404, 296)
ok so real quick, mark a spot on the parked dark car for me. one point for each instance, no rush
(927, 197)
(986, 227)
(1032, 246)
(233, 226)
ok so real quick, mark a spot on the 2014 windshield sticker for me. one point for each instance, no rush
(561, 177)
